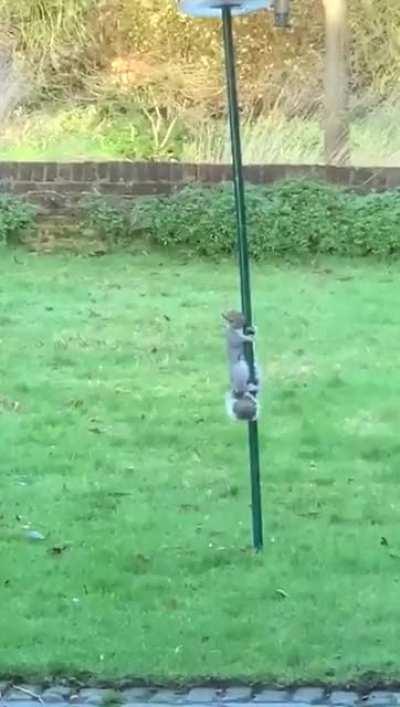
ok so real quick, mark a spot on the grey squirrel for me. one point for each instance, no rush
(241, 401)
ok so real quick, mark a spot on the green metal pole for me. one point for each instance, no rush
(243, 261)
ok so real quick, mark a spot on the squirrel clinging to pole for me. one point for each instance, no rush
(241, 401)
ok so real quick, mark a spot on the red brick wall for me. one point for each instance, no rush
(60, 186)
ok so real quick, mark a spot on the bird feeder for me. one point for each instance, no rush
(214, 8)
(225, 10)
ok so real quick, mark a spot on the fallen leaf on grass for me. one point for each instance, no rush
(142, 558)
(309, 514)
(9, 405)
(118, 494)
(97, 252)
(58, 549)
(78, 403)
(281, 593)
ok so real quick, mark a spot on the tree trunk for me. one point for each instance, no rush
(337, 137)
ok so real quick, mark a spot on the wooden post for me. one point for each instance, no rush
(337, 133)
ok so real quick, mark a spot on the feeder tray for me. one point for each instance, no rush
(213, 8)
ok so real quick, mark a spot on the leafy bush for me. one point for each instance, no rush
(290, 217)
(107, 219)
(17, 218)
(299, 217)
(199, 220)
(294, 217)
(375, 223)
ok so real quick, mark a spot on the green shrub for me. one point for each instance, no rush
(17, 219)
(287, 218)
(199, 220)
(107, 219)
(299, 217)
(292, 218)
(375, 223)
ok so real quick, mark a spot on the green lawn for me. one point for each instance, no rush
(115, 445)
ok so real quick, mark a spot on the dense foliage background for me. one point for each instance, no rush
(136, 78)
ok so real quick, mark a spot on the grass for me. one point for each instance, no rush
(115, 446)
(99, 132)
(96, 132)
(374, 140)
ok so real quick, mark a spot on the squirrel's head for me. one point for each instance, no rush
(235, 319)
